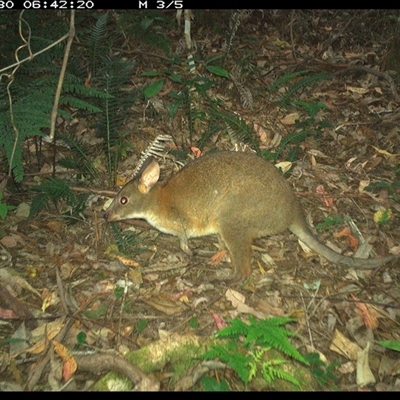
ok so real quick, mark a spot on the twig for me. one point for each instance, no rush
(71, 35)
(291, 35)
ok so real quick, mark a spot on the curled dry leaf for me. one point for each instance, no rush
(353, 241)
(69, 363)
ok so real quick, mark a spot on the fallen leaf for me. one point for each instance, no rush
(290, 119)
(196, 152)
(369, 314)
(364, 373)
(164, 304)
(23, 210)
(7, 314)
(357, 90)
(385, 153)
(341, 345)
(284, 166)
(69, 362)
(12, 240)
(353, 241)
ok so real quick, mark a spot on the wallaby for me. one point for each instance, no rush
(237, 196)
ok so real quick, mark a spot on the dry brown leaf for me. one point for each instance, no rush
(53, 328)
(238, 302)
(358, 90)
(263, 135)
(290, 119)
(196, 152)
(54, 226)
(369, 314)
(164, 304)
(341, 345)
(218, 257)
(391, 157)
(69, 363)
(16, 281)
(7, 314)
(353, 241)
(12, 240)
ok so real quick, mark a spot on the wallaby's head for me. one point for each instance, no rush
(136, 197)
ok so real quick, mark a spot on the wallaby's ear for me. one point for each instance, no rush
(149, 177)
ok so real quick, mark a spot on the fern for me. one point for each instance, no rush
(127, 242)
(32, 105)
(96, 41)
(266, 332)
(55, 191)
(283, 80)
(31, 114)
(211, 385)
(229, 353)
(79, 159)
(247, 357)
(299, 85)
(323, 373)
(113, 75)
(269, 372)
(145, 28)
(236, 126)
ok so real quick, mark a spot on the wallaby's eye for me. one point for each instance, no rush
(123, 200)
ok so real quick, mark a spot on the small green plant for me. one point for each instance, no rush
(322, 372)
(251, 356)
(383, 217)
(307, 125)
(57, 191)
(141, 325)
(4, 208)
(127, 241)
(328, 222)
(211, 385)
(294, 83)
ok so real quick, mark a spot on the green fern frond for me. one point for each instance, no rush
(79, 158)
(302, 83)
(283, 80)
(270, 372)
(295, 137)
(251, 356)
(230, 354)
(52, 190)
(79, 104)
(268, 332)
(96, 41)
(128, 242)
(235, 329)
(56, 191)
(78, 88)
(236, 126)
